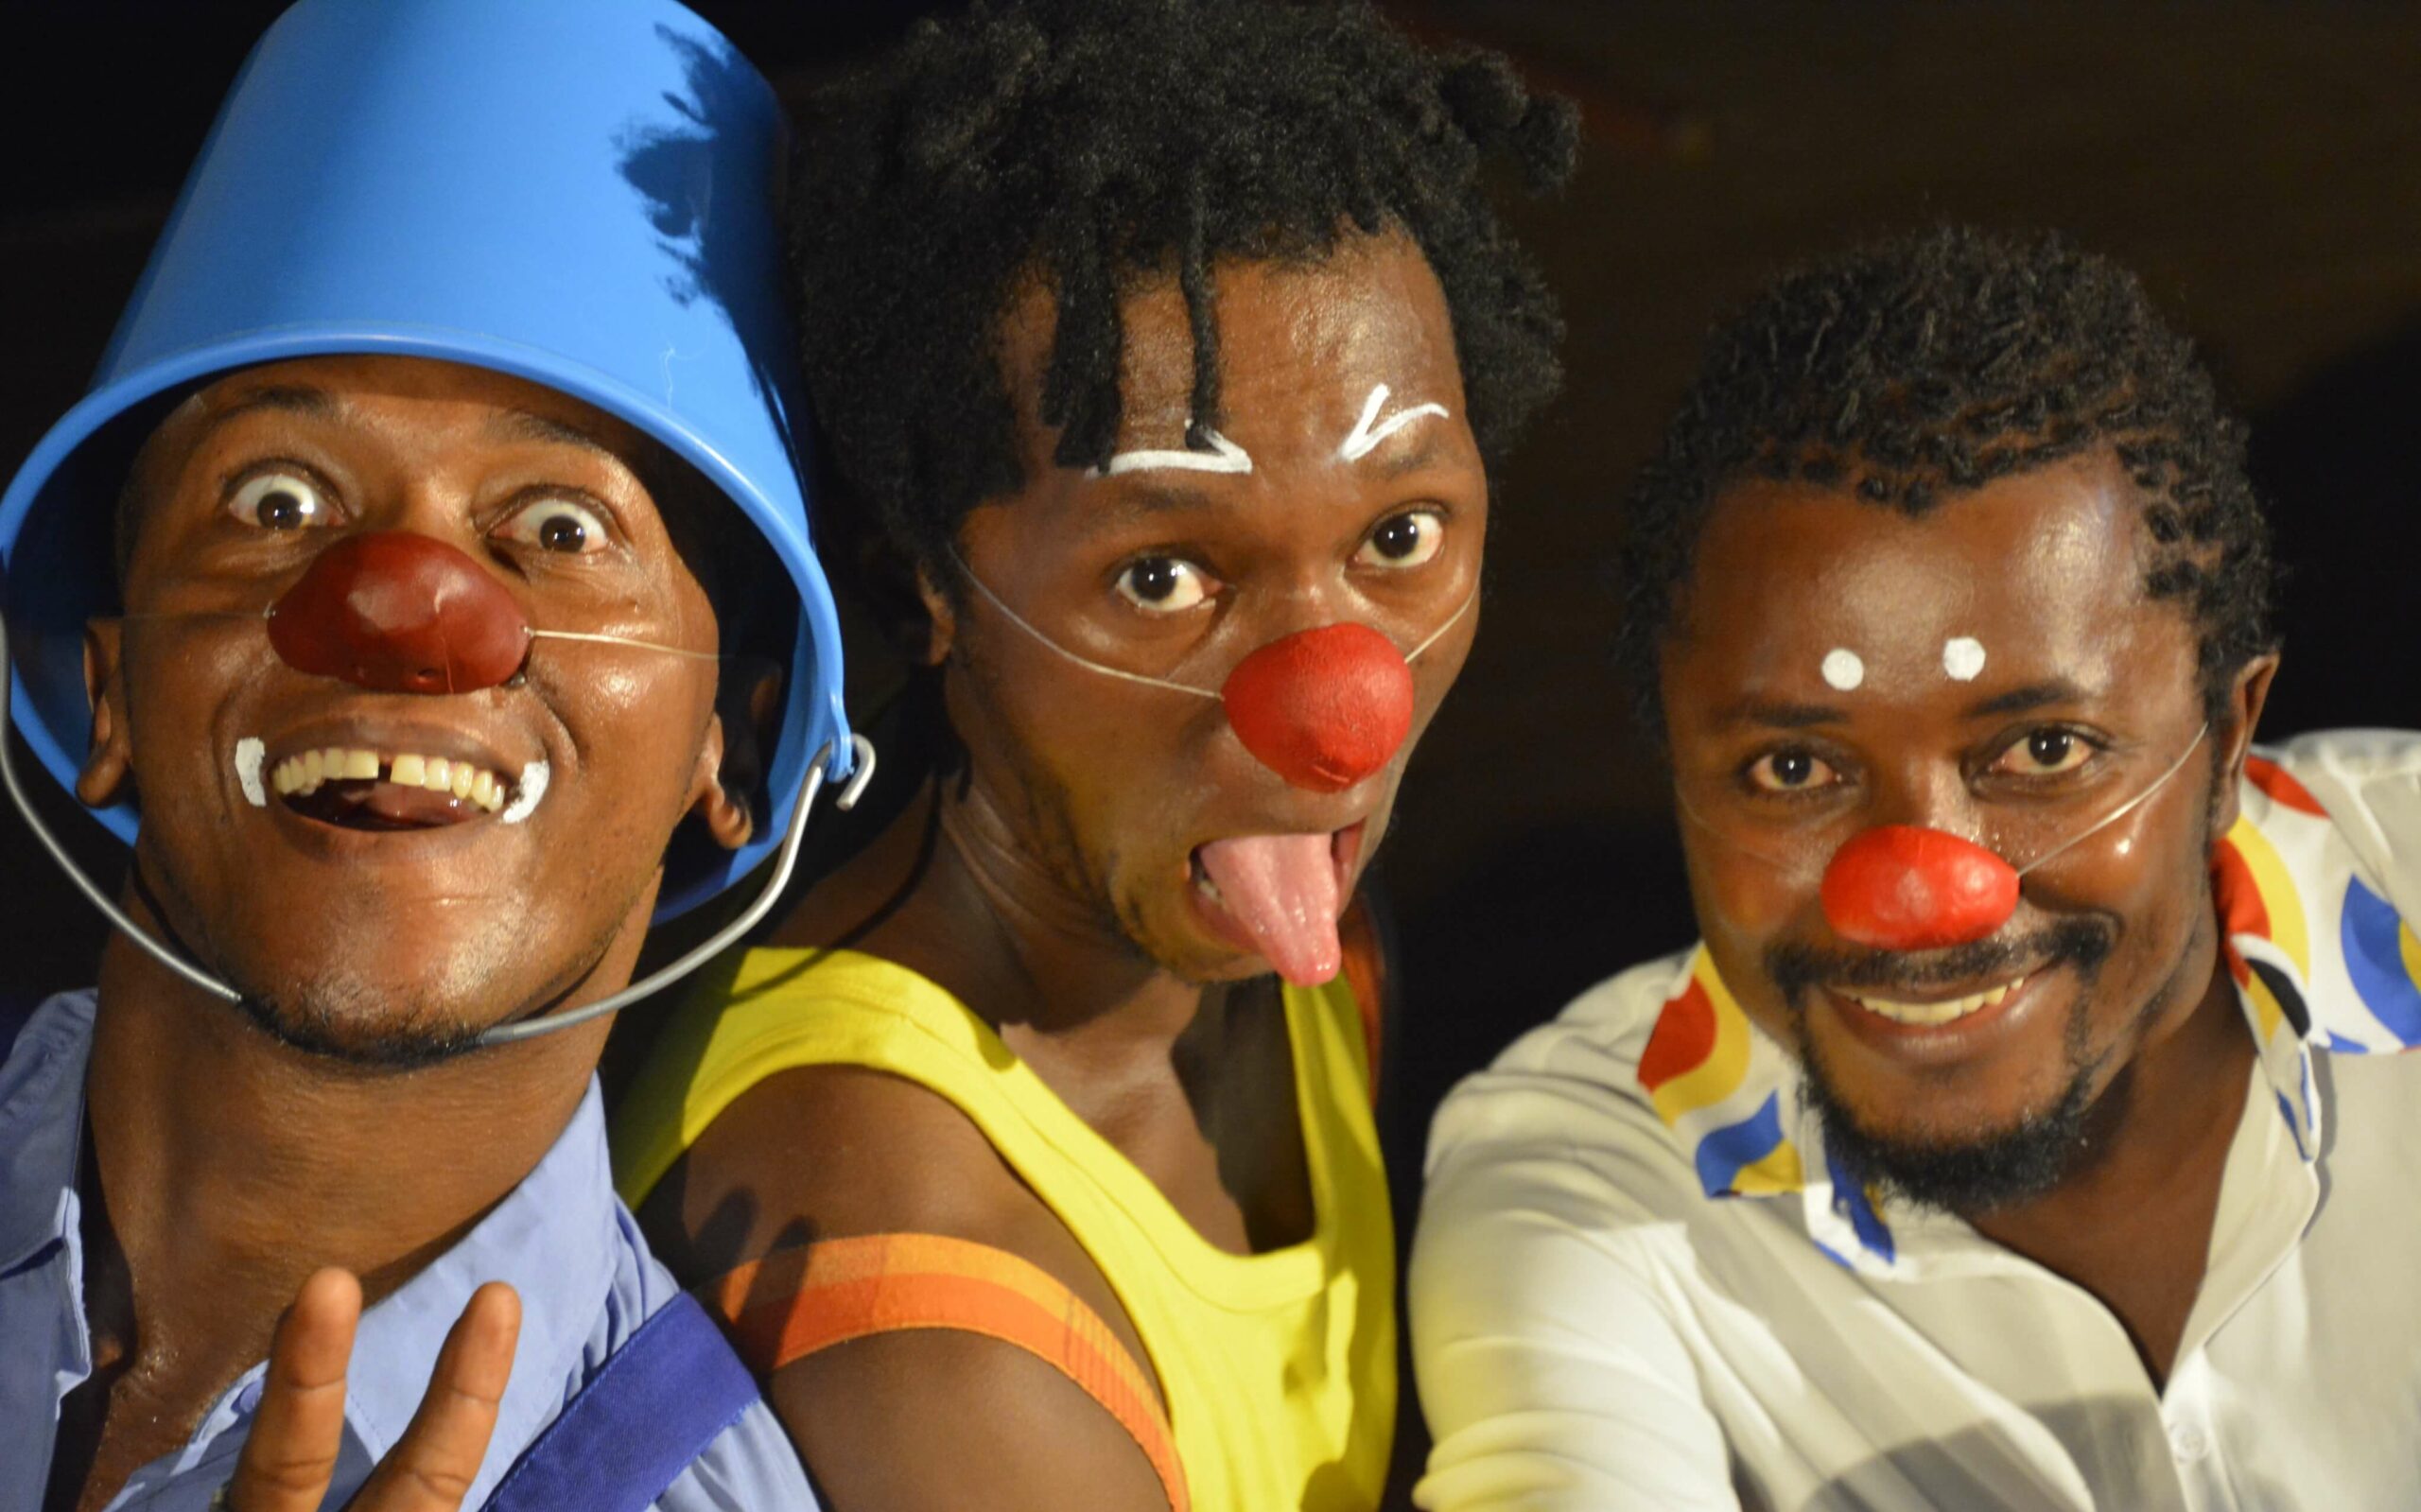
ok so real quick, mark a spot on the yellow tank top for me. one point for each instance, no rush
(1279, 1368)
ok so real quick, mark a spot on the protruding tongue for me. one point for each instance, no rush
(1280, 890)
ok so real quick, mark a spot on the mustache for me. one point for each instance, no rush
(1796, 967)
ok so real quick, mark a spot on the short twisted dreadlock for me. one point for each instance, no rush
(1096, 143)
(1915, 369)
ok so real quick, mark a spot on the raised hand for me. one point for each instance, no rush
(291, 1455)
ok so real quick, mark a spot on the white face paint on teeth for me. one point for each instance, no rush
(1930, 1015)
(526, 793)
(249, 753)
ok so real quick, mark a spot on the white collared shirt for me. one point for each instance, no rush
(1635, 1283)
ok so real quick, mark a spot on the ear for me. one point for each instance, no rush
(2233, 737)
(108, 774)
(941, 618)
(731, 765)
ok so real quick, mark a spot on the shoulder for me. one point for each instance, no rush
(824, 1152)
(2365, 783)
(1556, 1146)
(1577, 1075)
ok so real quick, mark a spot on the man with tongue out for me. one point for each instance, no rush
(2029, 1130)
(1163, 343)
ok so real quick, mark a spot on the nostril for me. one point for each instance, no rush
(400, 612)
(1323, 708)
(1903, 887)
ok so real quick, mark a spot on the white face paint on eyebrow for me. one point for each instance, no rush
(1225, 456)
(1962, 658)
(1365, 439)
(1843, 670)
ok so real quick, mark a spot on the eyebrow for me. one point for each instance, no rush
(288, 398)
(2032, 696)
(1224, 456)
(1364, 437)
(528, 424)
(1779, 714)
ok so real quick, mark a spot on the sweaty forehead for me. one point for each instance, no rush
(1301, 345)
(2043, 568)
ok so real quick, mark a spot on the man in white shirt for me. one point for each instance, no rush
(2026, 1131)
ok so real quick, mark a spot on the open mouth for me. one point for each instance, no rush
(1278, 897)
(1936, 1013)
(359, 787)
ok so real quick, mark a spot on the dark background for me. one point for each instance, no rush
(2258, 165)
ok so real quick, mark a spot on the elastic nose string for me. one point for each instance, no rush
(1122, 675)
(2125, 808)
(786, 860)
(631, 641)
(1682, 805)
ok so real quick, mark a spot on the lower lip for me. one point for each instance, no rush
(1955, 1040)
(408, 845)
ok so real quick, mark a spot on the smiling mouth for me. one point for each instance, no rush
(358, 788)
(1933, 1015)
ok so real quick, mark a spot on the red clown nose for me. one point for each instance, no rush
(1899, 887)
(1323, 708)
(400, 613)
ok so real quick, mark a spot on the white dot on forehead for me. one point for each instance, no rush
(1843, 670)
(1962, 658)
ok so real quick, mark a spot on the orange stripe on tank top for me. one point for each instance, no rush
(796, 1302)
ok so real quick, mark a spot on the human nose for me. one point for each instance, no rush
(397, 611)
(1910, 883)
(1324, 707)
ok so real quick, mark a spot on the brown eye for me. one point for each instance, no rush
(1792, 771)
(280, 501)
(1163, 585)
(1405, 540)
(556, 524)
(2044, 753)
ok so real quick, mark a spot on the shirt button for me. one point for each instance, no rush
(248, 1398)
(2187, 1442)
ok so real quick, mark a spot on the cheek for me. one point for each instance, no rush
(1748, 898)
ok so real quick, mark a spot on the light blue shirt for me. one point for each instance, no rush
(562, 1237)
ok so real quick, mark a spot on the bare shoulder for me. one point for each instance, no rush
(832, 1151)
(942, 1420)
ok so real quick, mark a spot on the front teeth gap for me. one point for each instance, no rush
(301, 775)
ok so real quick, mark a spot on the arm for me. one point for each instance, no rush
(1551, 1372)
(929, 1417)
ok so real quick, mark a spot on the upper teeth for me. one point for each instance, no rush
(299, 775)
(1933, 1013)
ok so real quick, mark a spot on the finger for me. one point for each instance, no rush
(434, 1463)
(299, 1425)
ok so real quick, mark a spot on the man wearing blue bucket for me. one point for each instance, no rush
(396, 593)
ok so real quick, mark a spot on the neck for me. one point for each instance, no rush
(1058, 963)
(230, 1166)
(948, 890)
(2158, 1148)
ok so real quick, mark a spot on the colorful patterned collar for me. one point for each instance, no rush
(2320, 958)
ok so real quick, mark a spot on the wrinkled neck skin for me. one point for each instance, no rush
(1054, 964)
(230, 1166)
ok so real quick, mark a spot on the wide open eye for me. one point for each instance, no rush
(556, 524)
(1405, 540)
(2044, 753)
(1794, 770)
(1163, 585)
(280, 501)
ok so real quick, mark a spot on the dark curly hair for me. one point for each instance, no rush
(1914, 370)
(1099, 143)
